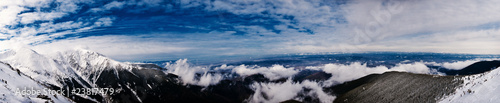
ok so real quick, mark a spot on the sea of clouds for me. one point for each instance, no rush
(281, 91)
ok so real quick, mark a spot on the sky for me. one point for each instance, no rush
(152, 30)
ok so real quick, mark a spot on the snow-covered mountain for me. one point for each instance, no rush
(478, 88)
(181, 82)
(43, 69)
(81, 68)
(87, 64)
(12, 82)
(71, 69)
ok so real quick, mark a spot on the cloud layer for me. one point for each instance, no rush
(296, 90)
(243, 27)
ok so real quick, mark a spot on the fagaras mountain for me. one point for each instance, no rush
(305, 78)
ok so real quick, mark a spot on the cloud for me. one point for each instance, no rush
(109, 6)
(37, 21)
(287, 90)
(207, 76)
(342, 73)
(420, 16)
(412, 26)
(346, 72)
(273, 73)
(106, 21)
(256, 27)
(114, 4)
(463, 41)
(116, 47)
(9, 15)
(362, 25)
(279, 92)
(416, 67)
(301, 14)
(188, 73)
(458, 65)
(274, 92)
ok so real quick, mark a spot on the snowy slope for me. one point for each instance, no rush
(37, 66)
(479, 88)
(89, 64)
(70, 69)
(10, 83)
(69, 64)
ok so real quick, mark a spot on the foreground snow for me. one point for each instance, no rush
(479, 88)
(12, 83)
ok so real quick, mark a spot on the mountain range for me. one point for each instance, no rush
(25, 69)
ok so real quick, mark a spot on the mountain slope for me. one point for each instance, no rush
(408, 87)
(134, 83)
(88, 64)
(11, 88)
(37, 66)
(478, 88)
(68, 70)
(399, 87)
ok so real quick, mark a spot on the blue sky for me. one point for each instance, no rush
(137, 30)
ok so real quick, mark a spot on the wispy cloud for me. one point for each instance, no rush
(230, 27)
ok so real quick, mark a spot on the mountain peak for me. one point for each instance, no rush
(85, 58)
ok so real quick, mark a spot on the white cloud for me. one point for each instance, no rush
(33, 22)
(458, 65)
(314, 15)
(9, 15)
(109, 6)
(422, 26)
(406, 25)
(416, 67)
(464, 41)
(347, 72)
(114, 4)
(342, 73)
(422, 16)
(279, 92)
(116, 47)
(273, 73)
(384, 27)
(105, 21)
(28, 18)
(188, 73)
(274, 92)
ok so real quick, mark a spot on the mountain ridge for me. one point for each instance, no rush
(80, 68)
